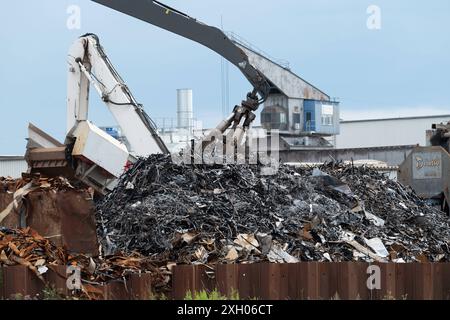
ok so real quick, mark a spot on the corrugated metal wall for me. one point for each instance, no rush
(12, 166)
(317, 280)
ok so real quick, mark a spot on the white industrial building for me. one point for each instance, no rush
(12, 166)
(386, 132)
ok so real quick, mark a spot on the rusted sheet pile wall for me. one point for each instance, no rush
(20, 282)
(65, 216)
(316, 280)
(300, 281)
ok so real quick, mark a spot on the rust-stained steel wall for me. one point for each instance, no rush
(67, 217)
(316, 280)
(19, 281)
(300, 281)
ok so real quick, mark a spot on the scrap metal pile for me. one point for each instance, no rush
(195, 214)
(35, 180)
(28, 248)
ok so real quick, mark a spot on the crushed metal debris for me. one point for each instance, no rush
(27, 248)
(35, 180)
(198, 214)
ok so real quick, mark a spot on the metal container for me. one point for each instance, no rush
(185, 109)
(427, 171)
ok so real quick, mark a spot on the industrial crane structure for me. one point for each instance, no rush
(302, 113)
(170, 19)
(88, 153)
(95, 158)
(89, 65)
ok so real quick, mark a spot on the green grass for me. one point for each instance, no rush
(51, 293)
(389, 296)
(212, 295)
(157, 296)
(17, 296)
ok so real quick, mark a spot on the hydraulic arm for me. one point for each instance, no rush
(89, 154)
(165, 17)
(88, 63)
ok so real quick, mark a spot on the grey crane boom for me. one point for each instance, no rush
(165, 17)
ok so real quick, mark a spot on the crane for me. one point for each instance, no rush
(88, 154)
(175, 21)
(92, 156)
(89, 64)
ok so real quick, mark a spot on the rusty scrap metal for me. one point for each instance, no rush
(54, 207)
(10, 185)
(27, 248)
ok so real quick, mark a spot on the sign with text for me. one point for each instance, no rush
(427, 165)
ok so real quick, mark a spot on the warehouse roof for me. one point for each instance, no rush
(399, 118)
(10, 158)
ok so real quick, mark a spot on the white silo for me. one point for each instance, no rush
(185, 114)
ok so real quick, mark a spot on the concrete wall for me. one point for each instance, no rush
(12, 166)
(393, 156)
(386, 132)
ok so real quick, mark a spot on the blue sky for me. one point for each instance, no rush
(402, 69)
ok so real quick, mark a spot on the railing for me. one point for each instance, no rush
(240, 40)
(170, 124)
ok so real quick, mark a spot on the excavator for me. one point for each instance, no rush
(90, 155)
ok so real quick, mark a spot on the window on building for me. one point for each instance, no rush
(327, 120)
(327, 115)
(266, 118)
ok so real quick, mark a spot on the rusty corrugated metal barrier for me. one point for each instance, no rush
(18, 282)
(297, 281)
(316, 280)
